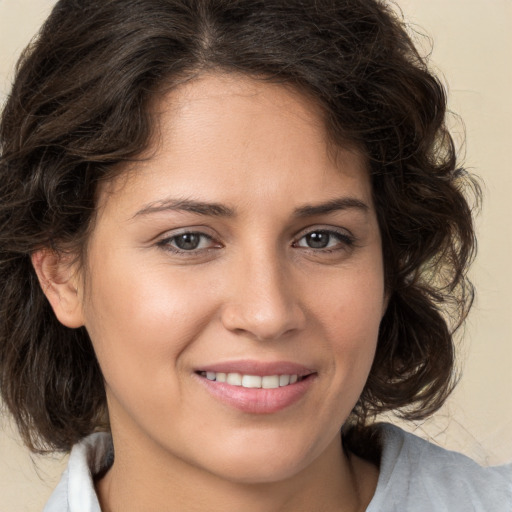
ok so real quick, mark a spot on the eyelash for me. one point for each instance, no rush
(346, 241)
(166, 243)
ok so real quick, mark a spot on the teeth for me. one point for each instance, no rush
(284, 380)
(252, 381)
(235, 379)
(270, 382)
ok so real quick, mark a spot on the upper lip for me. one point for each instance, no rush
(260, 368)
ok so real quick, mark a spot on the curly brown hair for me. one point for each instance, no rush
(79, 107)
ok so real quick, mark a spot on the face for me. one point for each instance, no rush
(234, 283)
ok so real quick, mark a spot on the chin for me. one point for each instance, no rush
(262, 463)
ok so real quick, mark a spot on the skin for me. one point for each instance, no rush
(254, 289)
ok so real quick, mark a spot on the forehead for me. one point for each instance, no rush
(243, 139)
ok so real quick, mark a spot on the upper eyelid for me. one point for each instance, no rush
(166, 243)
(345, 239)
(172, 233)
(169, 237)
(327, 229)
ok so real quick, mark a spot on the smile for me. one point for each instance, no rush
(252, 381)
(257, 388)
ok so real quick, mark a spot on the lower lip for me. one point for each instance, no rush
(257, 400)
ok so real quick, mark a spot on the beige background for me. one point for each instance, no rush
(473, 51)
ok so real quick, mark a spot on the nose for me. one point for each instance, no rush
(264, 302)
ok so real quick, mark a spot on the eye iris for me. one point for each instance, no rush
(187, 241)
(317, 240)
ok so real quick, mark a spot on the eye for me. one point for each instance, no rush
(324, 239)
(188, 242)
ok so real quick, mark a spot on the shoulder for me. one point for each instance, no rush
(418, 476)
(75, 491)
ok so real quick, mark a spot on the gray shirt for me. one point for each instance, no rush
(415, 476)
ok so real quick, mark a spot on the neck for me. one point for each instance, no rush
(142, 479)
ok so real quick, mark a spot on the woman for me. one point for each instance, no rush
(231, 230)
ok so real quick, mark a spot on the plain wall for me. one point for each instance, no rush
(473, 51)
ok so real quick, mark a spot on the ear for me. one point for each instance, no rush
(59, 280)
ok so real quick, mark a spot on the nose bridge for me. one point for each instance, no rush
(263, 301)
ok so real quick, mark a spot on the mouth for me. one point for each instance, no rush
(254, 381)
(257, 388)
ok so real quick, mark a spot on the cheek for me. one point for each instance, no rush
(140, 321)
(350, 313)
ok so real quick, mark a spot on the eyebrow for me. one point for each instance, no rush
(187, 205)
(220, 210)
(342, 203)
